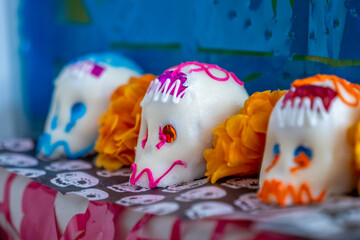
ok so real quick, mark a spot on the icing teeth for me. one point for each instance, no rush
(325, 94)
(301, 111)
(305, 105)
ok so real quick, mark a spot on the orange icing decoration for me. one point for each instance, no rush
(351, 88)
(302, 160)
(281, 191)
(273, 163)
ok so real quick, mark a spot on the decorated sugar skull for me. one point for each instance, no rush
(82, 94)
(307, 156)
(179, 110)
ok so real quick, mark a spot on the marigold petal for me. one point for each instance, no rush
(120, 124)
(239, 142)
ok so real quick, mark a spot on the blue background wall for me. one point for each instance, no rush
(266, 43)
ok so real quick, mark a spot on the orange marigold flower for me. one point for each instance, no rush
(120, 124)
(353, 139)
(239, 142)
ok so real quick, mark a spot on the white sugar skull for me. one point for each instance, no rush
(17, 160)
(77, 179)
(82, 93)
(208, 209)
(127, 187)
(307, 156)
(27, 172)
(162, 208)
(184, 186)
(208, 192)
(140, 199)
(179, 110)
(92, 194)
(65, 165)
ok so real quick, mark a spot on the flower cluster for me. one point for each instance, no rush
(239, 142)
(120, 124)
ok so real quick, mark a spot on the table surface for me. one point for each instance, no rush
(231, 201)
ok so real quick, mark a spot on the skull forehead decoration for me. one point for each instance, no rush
(179, 110)
(307, 156)
(82, 93)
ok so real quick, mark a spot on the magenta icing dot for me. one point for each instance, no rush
(173, 76)
(326, 95)
(152, 183)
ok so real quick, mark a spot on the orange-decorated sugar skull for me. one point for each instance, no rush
(307, 156)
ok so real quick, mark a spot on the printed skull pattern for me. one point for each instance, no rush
(140, 199)
(27, 172)
(183, 186)
(192, 200)
(210, 192)
(17, 160)
(162, 208)
(66, 165)
(93, 194)
(127, 187)
(77, 179)
(208, 209)
(124, 172)
(236, 183)
(17, 144)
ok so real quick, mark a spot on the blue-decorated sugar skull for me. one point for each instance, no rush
(82, 93)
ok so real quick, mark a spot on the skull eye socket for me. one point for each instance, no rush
(78, 110)
(276, 151)
(302, 158)
(143, 142)
(170, 133)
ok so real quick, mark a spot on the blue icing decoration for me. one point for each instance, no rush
(112, 59)
(44, 142)
(53, 124)
(78, 110)
(303, 149)
(276, 149)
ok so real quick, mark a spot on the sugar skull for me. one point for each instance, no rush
(307, 156)
(179, 110)
(82, 94)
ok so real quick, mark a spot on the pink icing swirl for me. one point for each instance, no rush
(152, 183)
(205, 67)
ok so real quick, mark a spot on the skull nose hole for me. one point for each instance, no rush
(78, 110)
(81, 182)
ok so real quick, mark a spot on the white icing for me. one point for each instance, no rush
(157, 92)
(301, 113)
